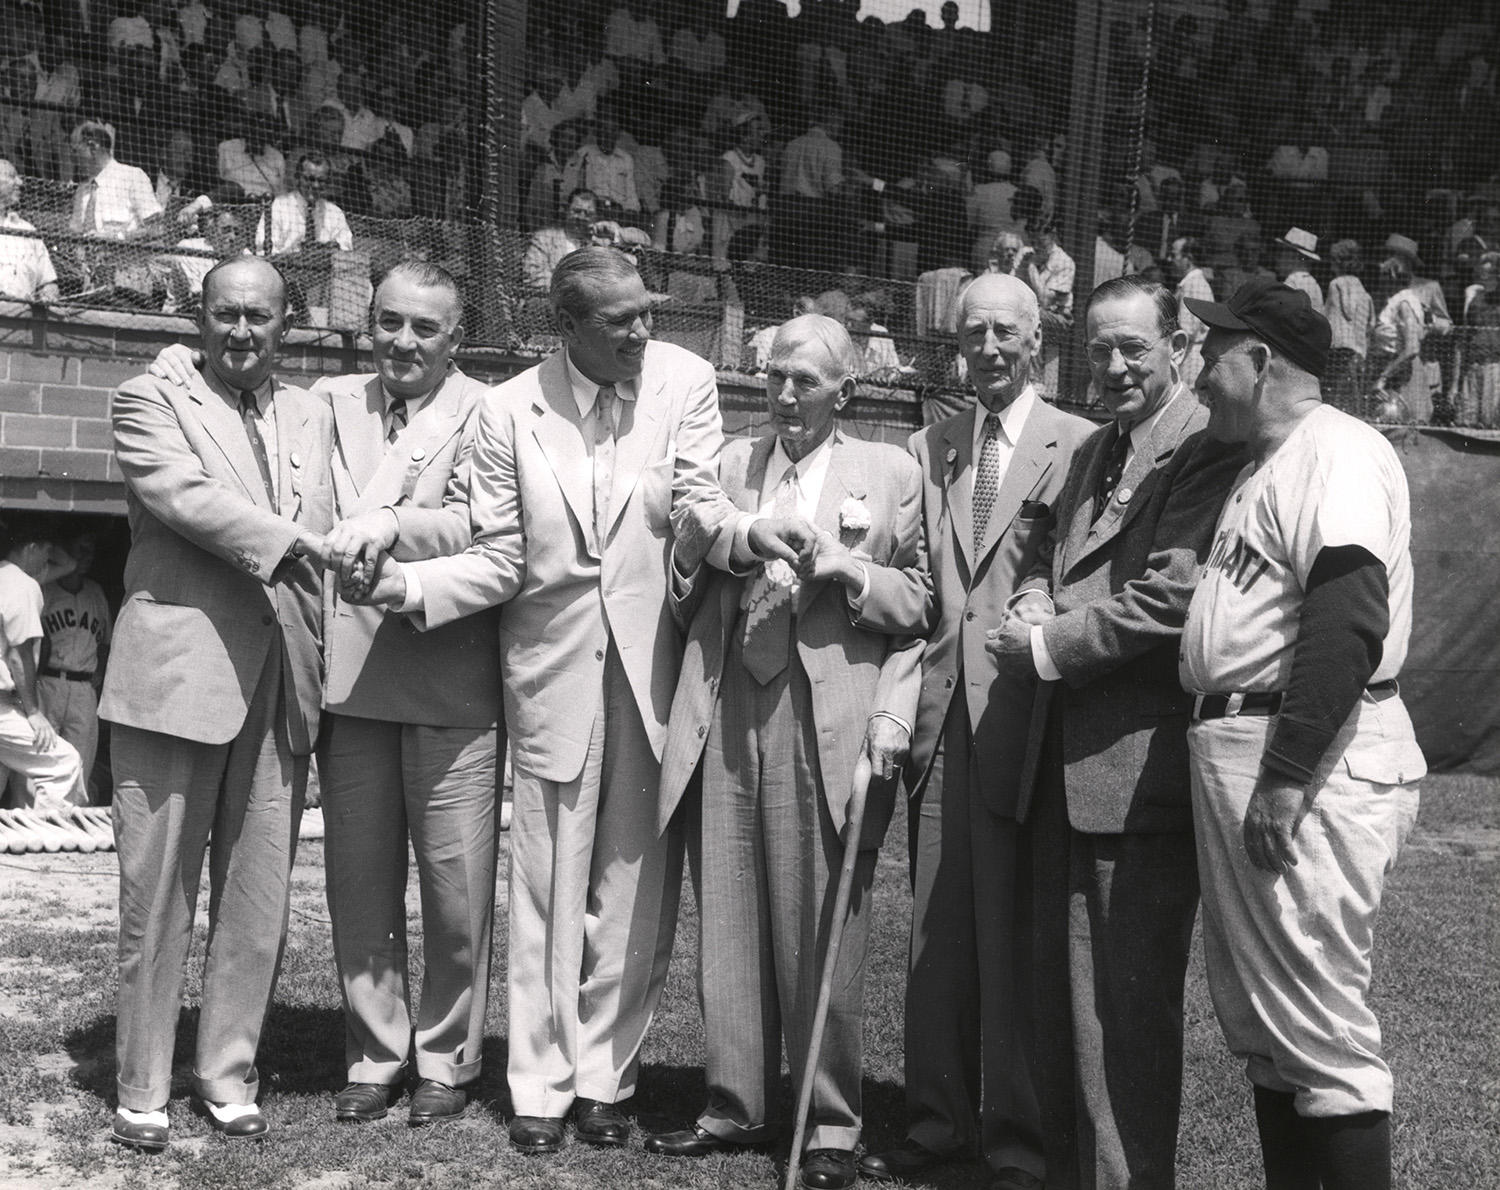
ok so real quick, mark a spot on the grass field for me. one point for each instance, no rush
(1437, 992)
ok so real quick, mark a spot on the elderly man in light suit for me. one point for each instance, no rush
(991, 476)
(778, 761)
(214, 691)
(410, 743)
(585, 471)
(1113, 853)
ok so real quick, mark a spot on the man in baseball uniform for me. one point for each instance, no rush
(75, 643)
(1304, 764)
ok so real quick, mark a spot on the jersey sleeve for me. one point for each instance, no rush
(1336, 496)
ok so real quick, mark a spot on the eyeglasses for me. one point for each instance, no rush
(1133, 352)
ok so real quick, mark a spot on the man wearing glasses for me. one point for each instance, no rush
(1113, 854)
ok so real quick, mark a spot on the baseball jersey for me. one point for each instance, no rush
(1333, 482)
(77, 626)
(20, 615)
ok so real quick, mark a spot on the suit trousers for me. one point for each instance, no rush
(53, 778)
(171, 795)
(383, 781)
(766, 866)
(968, 991)
(593, 910)
(1114, 925)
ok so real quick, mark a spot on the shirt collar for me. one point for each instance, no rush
(413, 404)
(585, 390)
(815, 463)
(1141, 431)
(1012, 418)
(263, 394)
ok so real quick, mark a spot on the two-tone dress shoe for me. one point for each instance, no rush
(827, 1169)
(145, 1135)
(696, 1141)
(536, 1134)
(900, 1164)
(598, 1123)
(361, 1103)
(237, 1121)
(433, 1102)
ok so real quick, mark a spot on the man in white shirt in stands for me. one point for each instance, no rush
(26, 272)
(113, 200)
(604, 168)
(302, 219)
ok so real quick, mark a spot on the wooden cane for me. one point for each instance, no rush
(861, 786)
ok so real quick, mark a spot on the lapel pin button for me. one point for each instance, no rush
(296, 462)
(418, 455)
(1123, 495)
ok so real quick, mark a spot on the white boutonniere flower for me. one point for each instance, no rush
(854, 516)
(780, 574)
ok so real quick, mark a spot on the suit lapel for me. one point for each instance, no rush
(1029, 461)
(634, 438)
(1159, 446)
(958, 458)
(358, 419)
(223, 424)
(1090, 463)
(559, 432)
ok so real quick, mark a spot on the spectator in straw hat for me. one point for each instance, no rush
(1434, 304)
(1294, 252)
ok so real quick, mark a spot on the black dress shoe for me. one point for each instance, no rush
(251, 1126)
(536, 1134)
(597, 1123)
(1011, 1178)
(148, 1138)
(689, 1142)
(900, 1163)
(362, 1102)
(827, 1169)
(433, 1101)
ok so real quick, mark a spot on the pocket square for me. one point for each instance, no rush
(1032, 509)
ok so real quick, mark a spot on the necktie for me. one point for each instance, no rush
(1114, 468)
(399, 418)
(986, 478)
(310, 228)
(768, 604)
(257, 443)
(90, 206)
(604, 459)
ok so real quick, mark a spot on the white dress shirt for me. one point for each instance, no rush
(25, 263)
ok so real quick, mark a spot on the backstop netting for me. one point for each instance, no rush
(862, 159)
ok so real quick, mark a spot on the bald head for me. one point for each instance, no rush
(999, 331)
(825, 334)
(251, 270)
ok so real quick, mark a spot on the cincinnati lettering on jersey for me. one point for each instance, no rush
(70, 617)
(1240, 561)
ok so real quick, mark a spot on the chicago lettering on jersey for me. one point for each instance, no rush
(70, 617)
(1240, 561)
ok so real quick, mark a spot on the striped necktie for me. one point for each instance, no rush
(399, 417)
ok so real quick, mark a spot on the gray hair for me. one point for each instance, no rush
(578, 271)
(828, 333)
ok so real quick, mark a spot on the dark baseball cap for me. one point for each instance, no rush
(1284, 317)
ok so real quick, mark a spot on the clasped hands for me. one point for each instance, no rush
(356, 552)
(1010, 642)
(812, 553)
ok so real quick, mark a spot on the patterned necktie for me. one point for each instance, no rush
(604, 459)
(986, 478)
(1114, 468)
(310, 227)
(248, 411)
(768, 604)
(399, 418)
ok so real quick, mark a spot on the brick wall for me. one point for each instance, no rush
(56, 378)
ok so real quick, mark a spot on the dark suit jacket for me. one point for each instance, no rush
(1121, 587)
(972, 591)
(379, 665)
(857, 665)
(209, 590)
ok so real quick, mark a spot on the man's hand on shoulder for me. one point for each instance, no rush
(176, 363)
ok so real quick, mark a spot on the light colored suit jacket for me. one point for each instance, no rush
(1121, 587)
(208, 587)
(858, 663)
(379, 666)
(972, 588)
(535, 551)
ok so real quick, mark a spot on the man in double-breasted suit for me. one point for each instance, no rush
(409, 746)
(214, 690)
(1116, 870)
(991, 476)
(783, 685)
(585, 470)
